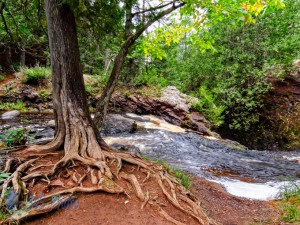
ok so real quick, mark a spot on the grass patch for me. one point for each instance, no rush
(19, 105)
(290, 204)
(181, 175)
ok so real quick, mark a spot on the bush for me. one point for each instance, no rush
(45, 95)
(36, 75)
(2, 77)
(15, 137)
(207, 105)
(19, 105)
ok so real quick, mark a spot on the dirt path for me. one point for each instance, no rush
(100, 208)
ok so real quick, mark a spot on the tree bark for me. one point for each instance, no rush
(107, 60)
(23, 58)
(75, 130)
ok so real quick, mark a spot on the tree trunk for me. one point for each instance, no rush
(107, 60)
(23, 58)
(74, 127)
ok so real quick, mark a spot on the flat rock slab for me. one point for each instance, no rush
(10, 114)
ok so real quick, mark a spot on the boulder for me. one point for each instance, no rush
(51, 124)
(179, 101)
(173, 106)
(10, 114)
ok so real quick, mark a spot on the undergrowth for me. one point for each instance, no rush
(181, 175)
(290, 204)
(19, 105)
(36, 75)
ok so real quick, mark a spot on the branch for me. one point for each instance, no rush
(151, 9)
(156, 18)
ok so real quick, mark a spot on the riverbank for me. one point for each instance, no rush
(222, 207)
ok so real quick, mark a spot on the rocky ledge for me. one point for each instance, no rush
(173, 106)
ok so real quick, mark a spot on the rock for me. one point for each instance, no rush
(173, 106)
(10, 114)
(51, 124)
(47, 111)
(45, 133)
(127, 148)
(172, 96)
(35, 110)
(115, 124)
(198, 122)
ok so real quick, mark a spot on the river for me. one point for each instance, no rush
(246, 173)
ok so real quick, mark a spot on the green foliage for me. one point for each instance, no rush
(45, 94)
(4, 176)
(2, 77)
(232, 80)
(36, 75)
(19, 105)
(151, 77)
(181, 175)
(91, 90)
(207, 105)
(185, 180)
(4, 214)
(290, 204)
(15, 137)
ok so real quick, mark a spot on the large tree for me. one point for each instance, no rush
(83, 147)
(78, 137)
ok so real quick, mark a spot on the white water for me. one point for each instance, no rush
(257, 191)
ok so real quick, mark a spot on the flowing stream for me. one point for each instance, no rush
(245, 173)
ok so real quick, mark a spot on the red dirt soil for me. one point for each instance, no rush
(102, 208)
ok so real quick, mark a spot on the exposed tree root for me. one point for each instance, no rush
(165, 215)
(105, 175)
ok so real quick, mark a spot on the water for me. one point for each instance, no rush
(245, 173)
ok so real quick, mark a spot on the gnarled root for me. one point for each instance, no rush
(105, 175)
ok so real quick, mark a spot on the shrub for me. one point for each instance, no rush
(2, 77)
(15, 137)
(207, 105)
(45, 95)
(36, 75)
(19, 105)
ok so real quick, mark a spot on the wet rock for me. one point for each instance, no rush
(51, 124)
(10, 114)
(196, 121)
(127, 148)
(46, 133)
(115, 124)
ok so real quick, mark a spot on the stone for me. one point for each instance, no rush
(172, 96)
(35, 110)
(10, 114)
(173, 106)
(51, 124)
